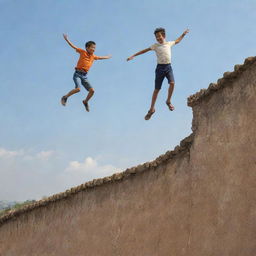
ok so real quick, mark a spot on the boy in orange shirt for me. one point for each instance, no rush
(84, 63)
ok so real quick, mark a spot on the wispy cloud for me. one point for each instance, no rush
(45, 155)
(80, 172)
(27, 155)
(4, 153)
(32, 175)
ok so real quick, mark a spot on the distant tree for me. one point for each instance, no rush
(16, 206)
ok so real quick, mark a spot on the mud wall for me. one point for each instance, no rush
(198, 199)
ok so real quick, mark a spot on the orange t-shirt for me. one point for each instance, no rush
(85, 60)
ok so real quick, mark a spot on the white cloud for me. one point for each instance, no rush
(45, 155)
(26, 155)
(75, 166)
(32, 175)
(79, 172)
(4, 153)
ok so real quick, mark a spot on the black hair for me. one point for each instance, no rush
(89, 43)
(161, 30)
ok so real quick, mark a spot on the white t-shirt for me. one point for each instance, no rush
(163, 52)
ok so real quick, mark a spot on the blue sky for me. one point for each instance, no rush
(46, 148)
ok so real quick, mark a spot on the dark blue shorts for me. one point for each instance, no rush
(162, 71)
(82, 76)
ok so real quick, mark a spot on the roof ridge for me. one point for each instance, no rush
(184, 146)
(221, 83)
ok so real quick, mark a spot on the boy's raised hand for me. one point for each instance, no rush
(65, 36)
(130, 58)
(186, 31)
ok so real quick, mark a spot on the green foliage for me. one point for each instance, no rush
(16, 206)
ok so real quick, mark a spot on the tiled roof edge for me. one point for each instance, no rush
(222, 82)
(184, 146)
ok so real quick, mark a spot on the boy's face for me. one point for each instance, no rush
(91, 48)
(160, 38)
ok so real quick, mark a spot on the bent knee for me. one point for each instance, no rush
(77, 89)
(172, 83)
(91, 90)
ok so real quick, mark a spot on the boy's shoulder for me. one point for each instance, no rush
(80, 50)
(157, 45)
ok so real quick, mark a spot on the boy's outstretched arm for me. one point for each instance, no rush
(66, 38)
(181, 37)
(138, 53)
(104, 57)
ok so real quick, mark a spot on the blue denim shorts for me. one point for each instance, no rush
(162, 71)
(83, 80)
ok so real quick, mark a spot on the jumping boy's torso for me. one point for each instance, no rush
(85, 60)
(163, 52)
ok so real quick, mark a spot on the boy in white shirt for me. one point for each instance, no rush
(163, 68)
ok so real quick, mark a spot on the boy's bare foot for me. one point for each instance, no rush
(170, 106)
(86, 106)
(149, 114)
(64, 100)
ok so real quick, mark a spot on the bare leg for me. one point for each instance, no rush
(170, 91)
(65, 97)
(90, 94)
(152, 107)
(153, 101)
(76, 90)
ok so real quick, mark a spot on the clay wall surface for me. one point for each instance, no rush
(198, 199)
(223, 168)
